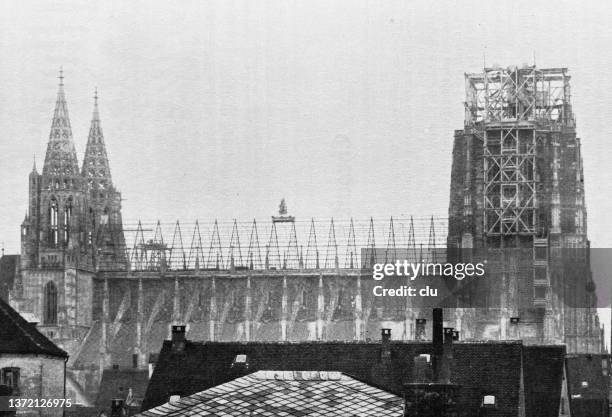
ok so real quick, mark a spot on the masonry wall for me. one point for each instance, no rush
(41, 376)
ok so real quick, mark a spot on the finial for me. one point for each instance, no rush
(282, 208)
(34, 165)
(96, 96)
(61, 76)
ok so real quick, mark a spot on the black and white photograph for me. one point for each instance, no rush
(311, 208)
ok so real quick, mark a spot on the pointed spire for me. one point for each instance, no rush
(34, 163)
(61, 158)
(95, 162)
(96, 112)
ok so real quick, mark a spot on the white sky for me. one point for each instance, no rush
(345, 108)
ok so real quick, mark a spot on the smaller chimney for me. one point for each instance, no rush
(178, 338)
(386, 344)
(152, 361)
(444, 369)
(449, 335)
(419, 333)
(116, 407)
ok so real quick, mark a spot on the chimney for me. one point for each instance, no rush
(385, 353)
(419, 333)
(438, 331)
(116, 407)
(444, 368)
(152, 361)
(438, 342)
(178, 338)
(437, 398)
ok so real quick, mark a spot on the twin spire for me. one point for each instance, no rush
(61, 159)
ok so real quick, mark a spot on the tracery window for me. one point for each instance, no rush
(53, 222)
(50, 316)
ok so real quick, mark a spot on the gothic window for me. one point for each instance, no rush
(67, 220)
(10, 377)
(104, 217)
(50, 306)
(53, 222)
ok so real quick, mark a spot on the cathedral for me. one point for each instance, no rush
(516, 200)
(72, 228)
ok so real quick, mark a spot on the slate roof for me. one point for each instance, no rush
(480, 368)
(19, 336)
(286, 393)
(587, 400)
(116, 383)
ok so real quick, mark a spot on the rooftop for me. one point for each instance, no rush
(20, 337)
(277, 393)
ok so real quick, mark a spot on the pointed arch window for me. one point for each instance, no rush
(53, 222)
(50, 305)
(92, 227)
(67, 220)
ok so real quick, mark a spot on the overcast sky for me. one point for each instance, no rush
(217, 109)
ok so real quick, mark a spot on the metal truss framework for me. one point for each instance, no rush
(506, 108)
(283, 245)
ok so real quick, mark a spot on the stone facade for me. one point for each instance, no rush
(72, 229)
(40, 376)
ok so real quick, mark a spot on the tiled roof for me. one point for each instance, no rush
(286, 393)
(491, 368)
(19, 336)
(587, 380)
(116, 383)
(543, 375)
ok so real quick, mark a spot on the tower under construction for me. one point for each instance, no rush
(517, 201)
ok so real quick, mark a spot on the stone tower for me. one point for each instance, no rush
(67, 232)
(517, 201)
(105, 227)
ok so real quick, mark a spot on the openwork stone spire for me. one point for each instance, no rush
(96, 168)
(61, 159)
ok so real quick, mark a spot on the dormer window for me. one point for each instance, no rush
(241, 361)
(489, 401)
(426, 357)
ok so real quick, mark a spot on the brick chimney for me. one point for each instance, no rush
(437, 398)
(438, 342)
(385, 351)
(178, 338)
